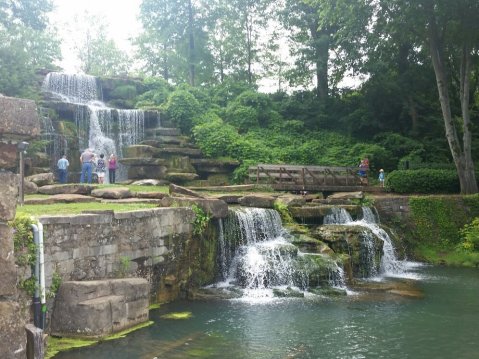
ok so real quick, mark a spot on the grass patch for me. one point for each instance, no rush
(177, 315)
(56, 344)
(36, 210)
(450, 256)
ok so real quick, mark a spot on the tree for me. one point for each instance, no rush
(449, 31)
(99, 54)
(27, 45)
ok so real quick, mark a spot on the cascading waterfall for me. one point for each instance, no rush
(72, 88)
(93, 119)
(337, 215)
(255, 253)
(390, 265)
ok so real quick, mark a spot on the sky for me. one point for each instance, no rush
(120, 16)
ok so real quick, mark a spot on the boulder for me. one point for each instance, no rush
(73, 188)
(213, 207)
(319, 210)
(99, 308)
(30, 187)
(291, 200)
(150, 195)
(180, 177)
(346, 195)
(257, 200)
(41, 179)
(174, 189)
(61, 198)
(112, 192)
(139, 172)
(147, 182)
(140, 151)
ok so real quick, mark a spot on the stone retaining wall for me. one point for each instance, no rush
(154, 244)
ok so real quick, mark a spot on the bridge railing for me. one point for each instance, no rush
(304, 176)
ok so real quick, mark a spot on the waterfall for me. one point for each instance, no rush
(390, 265)
(256, 254)
(337, 215)
(73, 88)
(103, 129)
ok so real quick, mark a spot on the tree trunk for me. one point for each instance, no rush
(462, 159)
(191, 46)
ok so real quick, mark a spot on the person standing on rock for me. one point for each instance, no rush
(62, 165)
(112, 168)
(86, 159)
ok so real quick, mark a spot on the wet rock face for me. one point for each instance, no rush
(364, 248)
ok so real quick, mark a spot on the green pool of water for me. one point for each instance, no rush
(444, 323)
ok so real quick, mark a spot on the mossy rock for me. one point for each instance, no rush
(328, 291)
(308, 244)
(287, 293)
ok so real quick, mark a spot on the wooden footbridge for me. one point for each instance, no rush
(310, 178)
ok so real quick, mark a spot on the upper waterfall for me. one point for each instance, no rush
(73, 88)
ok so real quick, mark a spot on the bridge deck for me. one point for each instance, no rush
(310, 178)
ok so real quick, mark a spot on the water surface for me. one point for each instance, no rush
(442, 324)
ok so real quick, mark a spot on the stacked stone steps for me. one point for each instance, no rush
(166, 154)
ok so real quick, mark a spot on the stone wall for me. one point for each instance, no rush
(156, 244)
(392, 207)
(18, 122)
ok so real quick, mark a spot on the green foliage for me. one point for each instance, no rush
(55, 286)
(201, 220)
(124, 266)
(24, 247)
(422, 181)
(125, 92)
(29, 285)
(438, 220)
(470, 234)
(181, 108)
(284, 212)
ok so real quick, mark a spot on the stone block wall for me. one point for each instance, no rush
(18, 122)
(155, 244)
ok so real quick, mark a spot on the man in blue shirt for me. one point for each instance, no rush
(63, 169)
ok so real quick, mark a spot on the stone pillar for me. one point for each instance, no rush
(18, 122)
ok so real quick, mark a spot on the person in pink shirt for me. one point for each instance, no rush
(112, 165)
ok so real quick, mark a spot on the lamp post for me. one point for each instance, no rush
(22, 149)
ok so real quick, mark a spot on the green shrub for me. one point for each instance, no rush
(423, 181)
(470, 233)
(24, 247)
(181, 108)
(125, 92)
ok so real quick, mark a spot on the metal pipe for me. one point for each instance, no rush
(36, 297)
(43, 300)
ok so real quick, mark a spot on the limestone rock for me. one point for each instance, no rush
(147, 182)
(18, 118)
(61, 198)
(257, 200)
(67, 189)
(7, 262)
(291, 200)
(29, 187)
(213, 207)
(140, 151)
(174, 189)
(347, 195)
(150, 195)
(180, 177)
(8, 195)
(9, 152)
(112, 192)
(99, 308)
(41, 179)
(319, 210)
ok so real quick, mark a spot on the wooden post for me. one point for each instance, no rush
(35, 342)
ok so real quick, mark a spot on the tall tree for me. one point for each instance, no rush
(99, 55)
(449, 31)
(28, 44)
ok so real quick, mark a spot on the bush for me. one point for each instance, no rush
(181, 108)
(470, 233)
(423, 181)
